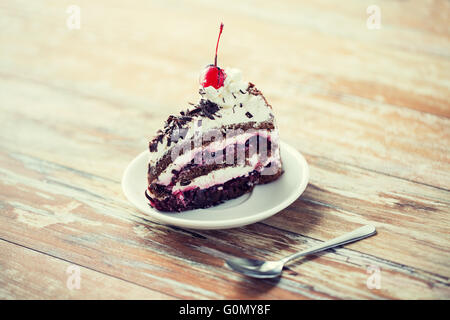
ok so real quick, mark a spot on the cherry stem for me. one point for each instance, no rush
(217, 45)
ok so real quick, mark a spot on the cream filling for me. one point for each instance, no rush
(223, 175)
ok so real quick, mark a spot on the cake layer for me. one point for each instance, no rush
(196, 198)
(214, 173)
(203, 140)
(215, 152)
(219, 176)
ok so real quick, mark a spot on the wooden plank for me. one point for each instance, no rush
(369, 108)
(28, 274)
(105, 233)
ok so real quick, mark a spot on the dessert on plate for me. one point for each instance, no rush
(216, 150)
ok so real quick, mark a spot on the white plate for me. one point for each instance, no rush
(263, 202)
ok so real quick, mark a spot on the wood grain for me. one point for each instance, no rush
(30, 274)
(368, 108)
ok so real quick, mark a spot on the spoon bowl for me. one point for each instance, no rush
(272, 269)
(256, 268)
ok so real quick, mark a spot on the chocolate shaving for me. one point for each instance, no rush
(174, 127)
(153, 146)
(249, 115)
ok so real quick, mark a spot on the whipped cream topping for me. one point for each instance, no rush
(225, 95)
(235, 101)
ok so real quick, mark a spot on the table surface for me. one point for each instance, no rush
(369, 109)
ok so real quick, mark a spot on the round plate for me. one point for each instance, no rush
(264, 201)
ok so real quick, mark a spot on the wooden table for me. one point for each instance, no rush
(369, 109)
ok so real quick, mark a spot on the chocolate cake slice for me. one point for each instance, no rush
(216, 150)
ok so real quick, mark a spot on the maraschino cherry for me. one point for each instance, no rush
(213, 75)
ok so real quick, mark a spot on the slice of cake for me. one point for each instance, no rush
(216, 150)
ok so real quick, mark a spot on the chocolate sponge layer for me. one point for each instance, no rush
(203, 198)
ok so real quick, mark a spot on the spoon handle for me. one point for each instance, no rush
(354, 235)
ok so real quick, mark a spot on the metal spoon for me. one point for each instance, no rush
(271, 269)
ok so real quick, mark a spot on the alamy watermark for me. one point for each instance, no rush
(232, 147)
(73, 21)
(374, 20)
(74, 277)
(374, 278)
